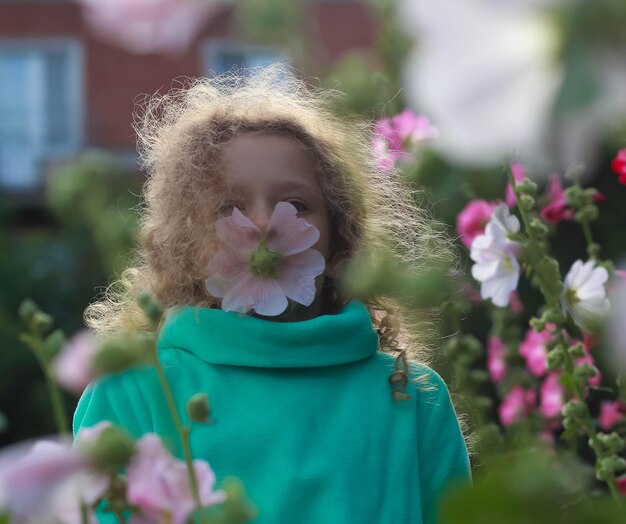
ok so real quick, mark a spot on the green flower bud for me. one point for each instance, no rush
(111, 451)
(584, 372)
(527, 202)
(538, 228)
(555, 359)
(588, 213)
(198, 407)
(577, 350)
(574, 409)
(555, 316)
(527, 186)
(593, 250)
(122, 352)
(42, 322)
(54, 343)
(612, 463)
(27, 310)
(150, 306)
(575, 197)
(538, 324)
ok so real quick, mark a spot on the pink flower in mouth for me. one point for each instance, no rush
(557, 209)
(496, 363)
(260, 270)
(471, 221)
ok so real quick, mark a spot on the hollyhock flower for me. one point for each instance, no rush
(158, 484)
(396, 138)
(27, 481)
(488, 100)
(149, 26)
(516, 405)
(496, 363)
(533, 349)
(551, 396)
(517, 170)
(584, 294)
(73, 366)
(495, 256)
(471, 221)
(611, 414)
(261, 270)
(515, 303)
(620, 482)
(556, 210)
(619, 165)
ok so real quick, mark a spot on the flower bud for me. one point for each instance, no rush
(584, 372)
(593, 250)
(527, 186)
(555, 358)
(54, 343)
(527, 202)
(555, 316)
(150, 306)
(588, 213)
(538, 228)
(575, 197)
(27, 310)
(111, 451)
(612, 463)
(198, 407)
(122, 352)
(538, 324)
(41, 322)
(574, 409)
(577, 350)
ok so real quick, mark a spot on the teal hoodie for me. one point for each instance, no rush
(302, 414)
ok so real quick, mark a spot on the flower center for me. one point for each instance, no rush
(572, 297)
(508, 264)
(263, 262)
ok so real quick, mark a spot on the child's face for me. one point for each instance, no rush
(264, 169)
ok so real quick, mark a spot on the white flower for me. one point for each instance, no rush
(485, 71)
(584, 294)
(496, 267)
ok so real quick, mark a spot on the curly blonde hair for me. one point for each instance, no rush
(181, 141)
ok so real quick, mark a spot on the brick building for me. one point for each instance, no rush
(63, 89)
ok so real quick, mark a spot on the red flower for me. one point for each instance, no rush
(619, 165)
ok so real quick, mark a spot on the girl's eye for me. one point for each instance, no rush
(298, 205)
(227, 208)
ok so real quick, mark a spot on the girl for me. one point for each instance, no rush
(313, 413)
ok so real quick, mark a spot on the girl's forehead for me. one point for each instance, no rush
(267, 157)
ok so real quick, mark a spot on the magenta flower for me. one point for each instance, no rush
(149, 26)
(73, 366)
(515, 303)
(556, 210)
(533, 349)
(496, 363)
(611, 414)
(517, 405)
(551, 394)
(260, 270)
(620, 482)
(517, 170)
(619, 166)
(158, 484)
(471, 221)
(396, 138)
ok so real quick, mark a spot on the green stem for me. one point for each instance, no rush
(588, 425)
(183, 432)
(587, 232)
(58, 408)
(120, 516)
(522, 211)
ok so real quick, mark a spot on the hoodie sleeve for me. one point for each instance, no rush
(442, 453)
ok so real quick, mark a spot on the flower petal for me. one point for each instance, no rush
(238, 232)
(297, 277)
(264, 295)
(288, 234)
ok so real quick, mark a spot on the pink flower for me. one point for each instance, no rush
(621, 485)
(619, 165)
(73, 366)
(261, 270)
(517, 169)
(533, 349)
(551, 393)
(149, 26)
(611, 413)
(397, 137)
(471, 221)
(158, 484)
(27, 482)
(517, 405)
(515, 303)
(557, 209)
(496, 364)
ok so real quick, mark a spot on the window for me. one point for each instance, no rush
(223, 56)
(40, 107)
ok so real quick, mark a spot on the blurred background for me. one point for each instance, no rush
(541, 82)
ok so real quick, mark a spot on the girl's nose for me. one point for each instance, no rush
(260, 215)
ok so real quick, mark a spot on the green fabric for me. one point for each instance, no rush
(302, 414)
